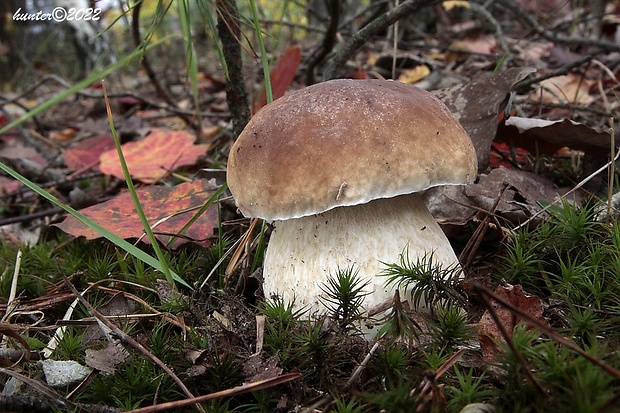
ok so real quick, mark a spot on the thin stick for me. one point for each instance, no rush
(255, 386)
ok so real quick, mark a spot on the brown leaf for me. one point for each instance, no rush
(520, 200)
(257, 369)
(119, 216)
(477, 105)
(155, 156)
(106, 359)
(570, 88)
(14, 149)
(488, 332)
(64, 135)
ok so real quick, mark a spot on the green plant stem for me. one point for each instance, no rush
(191, 61)
(263, 52)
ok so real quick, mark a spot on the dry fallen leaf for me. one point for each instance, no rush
(155, 156)
(569, 88)
(520, 200)
(479, 45)
(282, 75)
(107, 358)
(414, 75)
(16, 149)
(8, 185)
(488, 332)
(119, 216)
(255, 368)
(451, 4)
(548, 137)
(86, 153)
(64, 135)
(476, 106)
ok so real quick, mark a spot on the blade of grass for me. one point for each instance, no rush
(263, 52)
(190, 53)
(134, 196)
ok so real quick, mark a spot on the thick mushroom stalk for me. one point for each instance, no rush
(303, 252)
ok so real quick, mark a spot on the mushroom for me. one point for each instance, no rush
(337, 167)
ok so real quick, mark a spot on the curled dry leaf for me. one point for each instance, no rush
(455, 206)
(155, 156)
(547, 137)
(521, 198)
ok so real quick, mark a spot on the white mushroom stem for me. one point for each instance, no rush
(304, 252)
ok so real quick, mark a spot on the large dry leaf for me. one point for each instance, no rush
(522, 191)
(488, 332)
(155, 156)
(119, 215)
(477, 104)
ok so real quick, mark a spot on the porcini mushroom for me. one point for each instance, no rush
(337, 167)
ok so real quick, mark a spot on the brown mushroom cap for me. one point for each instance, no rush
(346, 142)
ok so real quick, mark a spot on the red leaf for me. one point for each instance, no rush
(119, 215)
(87, 152)
(155, 156)
(281, 75)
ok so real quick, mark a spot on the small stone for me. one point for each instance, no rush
(63, 373)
